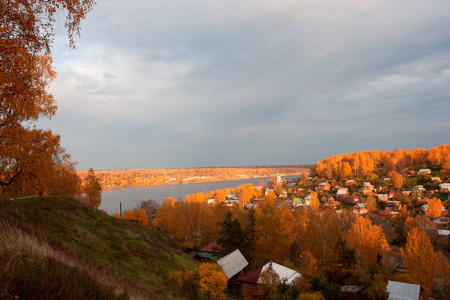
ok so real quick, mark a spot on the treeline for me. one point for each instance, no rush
(364, 163)
(115, 179)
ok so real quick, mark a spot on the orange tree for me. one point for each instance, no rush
(26, 35)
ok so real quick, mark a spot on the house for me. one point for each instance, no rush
(389, 213)
(287, 203)
(231, 203)
(332, 203)
(233, 263)
(350, 199)
(324, 186)
(394, 205)
(308, 199)
(350, 182)
(211, 251)
(406, 193)
(401, 290)
(342, 192)
(383, 197)
(212, 201)
(419, 189)
(424, 171)
(298, 202)
(436, 179)
(441, 222)
(248, 282)
(444, 188)
(360, 209)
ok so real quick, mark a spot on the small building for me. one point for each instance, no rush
(383, 197)
(233, 263)
(324, 186)
(231, 203)
(394, 205)
(419, 189)
(332, 203)
(406, 193)
(299, 202)
(388, 213)
(401, 290)
(342, 192)
(442, 222)
(360, 209)
(287, 203)
(350, 182)
(211, 251)
(248, 282)
(444, 188)
(424, 171)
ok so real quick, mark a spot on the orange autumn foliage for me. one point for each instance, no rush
(420, 260)
(368, 241)
(32, 161)
(364, 162)
(434, 208)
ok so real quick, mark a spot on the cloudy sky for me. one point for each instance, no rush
(175, 83)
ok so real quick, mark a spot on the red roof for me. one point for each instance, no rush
(251, 276)
(213, 247)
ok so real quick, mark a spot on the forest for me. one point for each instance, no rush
(376, 162)
(115, 179)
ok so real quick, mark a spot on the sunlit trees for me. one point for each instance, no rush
(213, 280)
(434, 208)
(371, 203)
(245, 194)
(396, 179)
(269, 242)
(368, 241)
(28, 156)
(92, 190)
(320, 235)
(420, 260)
(142, 217)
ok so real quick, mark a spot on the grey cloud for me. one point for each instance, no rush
(174, 84)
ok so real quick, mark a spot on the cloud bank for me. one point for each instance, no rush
(167, 84)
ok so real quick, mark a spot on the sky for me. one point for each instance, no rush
(179, 84)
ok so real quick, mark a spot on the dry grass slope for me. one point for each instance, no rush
(55, 247)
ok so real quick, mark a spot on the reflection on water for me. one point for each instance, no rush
(131, 197)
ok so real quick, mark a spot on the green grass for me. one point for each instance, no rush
(140, 254)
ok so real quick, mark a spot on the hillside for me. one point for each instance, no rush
(57, 247)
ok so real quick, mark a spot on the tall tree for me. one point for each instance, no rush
(26, 35)
(420, 260)
(231, 234)
(92, 190)
(368, 241)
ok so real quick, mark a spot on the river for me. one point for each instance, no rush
(131, 197)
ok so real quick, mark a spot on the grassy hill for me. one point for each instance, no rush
(57, 247)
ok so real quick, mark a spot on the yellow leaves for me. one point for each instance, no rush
(32, 160)
(434, 208)
(368, 241)
(213, 280)
(419, 259)
(92, 190)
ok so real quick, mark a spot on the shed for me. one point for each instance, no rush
(403, 291)
(233, 263)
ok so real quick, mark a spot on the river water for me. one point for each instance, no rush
(131, 197)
